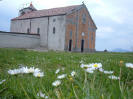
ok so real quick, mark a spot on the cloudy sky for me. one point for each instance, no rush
(114, 18)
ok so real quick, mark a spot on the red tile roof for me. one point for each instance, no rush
(47, 12)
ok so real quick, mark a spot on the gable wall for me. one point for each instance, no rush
(74, 24)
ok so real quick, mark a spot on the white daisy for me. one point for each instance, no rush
(38, 74)
(108, 72)
(96, 65)
(62, 76)
(42, 95)
(57, 71)
(2, 81)
(101, 69)
(31, 70)
(129, 65)
(37, 70)
(114, 77)
(56, 83)
(24, 70)
(13, 72)
(73, 73)
(85, 66)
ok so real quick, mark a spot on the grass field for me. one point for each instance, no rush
(83, 85)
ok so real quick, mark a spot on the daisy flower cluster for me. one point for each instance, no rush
(25, 70)
(58, 81)
(90, 68)
(62, 76)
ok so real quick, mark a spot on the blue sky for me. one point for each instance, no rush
(114, 18)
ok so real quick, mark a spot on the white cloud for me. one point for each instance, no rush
(41, 4)
(105, 29)
(105, 32)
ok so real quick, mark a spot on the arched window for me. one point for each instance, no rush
(38, 30)
(53, 30)
(28, 30)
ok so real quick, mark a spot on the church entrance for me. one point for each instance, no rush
(82, 45)
(70, 45)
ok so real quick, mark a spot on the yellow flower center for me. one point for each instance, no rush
(121, 62)
(38, 75)
(71, 79)
(95, 65)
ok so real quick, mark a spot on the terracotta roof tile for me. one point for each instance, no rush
(47, 12)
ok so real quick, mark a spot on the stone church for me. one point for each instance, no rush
(68, 28)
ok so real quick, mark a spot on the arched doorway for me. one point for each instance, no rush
(70, 45)
(82, 45)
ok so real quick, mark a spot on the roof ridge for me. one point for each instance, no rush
(47, 12)
(59, 7)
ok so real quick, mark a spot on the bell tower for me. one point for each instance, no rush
(27, 9)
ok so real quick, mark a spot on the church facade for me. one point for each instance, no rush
(68, 28)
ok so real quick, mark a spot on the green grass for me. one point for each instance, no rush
(84, 85)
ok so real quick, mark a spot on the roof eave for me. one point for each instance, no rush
(37, 17)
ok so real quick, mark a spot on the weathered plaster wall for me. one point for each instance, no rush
(20, 26)
(18, 40)
(56, 41)
(32, 24)
(42, 24)
(45, 24)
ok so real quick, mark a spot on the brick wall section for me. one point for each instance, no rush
(87, 28)
(83, 28)
(70, 27)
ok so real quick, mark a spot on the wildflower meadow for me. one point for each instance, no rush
(28, 74)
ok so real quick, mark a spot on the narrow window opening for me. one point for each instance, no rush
(53, 30)
(70, 45)
(92, 37)
(38, 30)
(82, 45)
(84, 18)
(28, 30)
